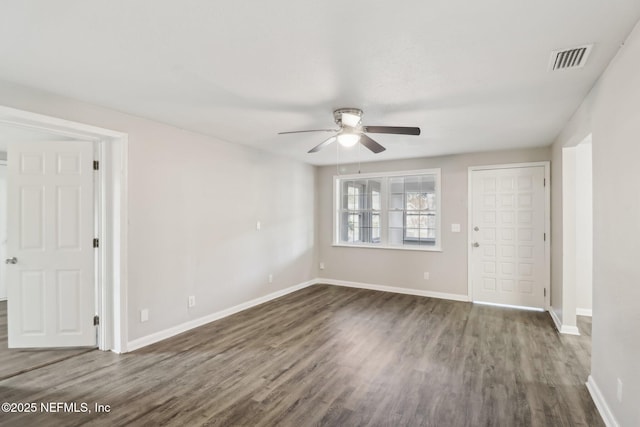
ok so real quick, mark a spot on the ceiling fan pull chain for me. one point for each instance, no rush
(338, 159)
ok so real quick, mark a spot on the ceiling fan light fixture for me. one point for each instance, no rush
(348, 139)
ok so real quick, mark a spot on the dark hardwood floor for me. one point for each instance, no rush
(331, 356)
(16, 361)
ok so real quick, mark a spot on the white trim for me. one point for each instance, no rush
(112, 333)
(386, 174)
(393, 289)
(175, 330)
(563, 329)
(601, 403)
(510, 166)
(3, 163)
(584, 312)
(547, 222)
(402, 248)
(519, 307)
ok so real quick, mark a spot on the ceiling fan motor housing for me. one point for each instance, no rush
(337, 114)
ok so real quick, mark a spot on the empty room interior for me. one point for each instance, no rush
(413, 213)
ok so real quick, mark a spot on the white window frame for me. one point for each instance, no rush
(384, 212)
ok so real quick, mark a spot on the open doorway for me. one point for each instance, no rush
(584, 228)
(15, 361)
(110, 212)
(577, 205)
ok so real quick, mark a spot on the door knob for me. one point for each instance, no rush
(475, 244)
(476, 228)
(13, 260)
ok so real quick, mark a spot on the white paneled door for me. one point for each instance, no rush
(50, 255)
(508, 264)
(3, 229)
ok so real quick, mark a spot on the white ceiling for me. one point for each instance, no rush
(472, 74)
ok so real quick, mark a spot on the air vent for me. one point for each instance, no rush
(566, 59)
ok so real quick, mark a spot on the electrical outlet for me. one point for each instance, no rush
(192, 301)
(426, 275)
(455, 228)
(144, 315)
(619, 392)
(322, 266)
(271, 278)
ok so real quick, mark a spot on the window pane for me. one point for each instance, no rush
(413, 220)
(413, 184)
(428, 183)
(412, 233)
(354, 228)
(427, 233)
(375, 200)
(362, 197)
(416, 201)
(431, 201)
(375, 231)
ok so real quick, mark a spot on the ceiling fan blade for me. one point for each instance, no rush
(322, 145)
(398, 130)
(312, 130)
(371, 144)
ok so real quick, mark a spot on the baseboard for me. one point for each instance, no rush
(601, 403)
(563, 329)
(175, 330)
(583, 312)
(408, 291)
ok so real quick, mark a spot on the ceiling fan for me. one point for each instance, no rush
(351, 131)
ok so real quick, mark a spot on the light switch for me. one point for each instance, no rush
(455, 228)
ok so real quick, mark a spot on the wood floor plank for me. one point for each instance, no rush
(16, 361)
(331, 356)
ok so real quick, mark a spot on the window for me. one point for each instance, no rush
(390, 210)
(360, 211)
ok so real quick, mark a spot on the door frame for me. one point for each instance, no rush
(111, 216)
(547, 222)
(5, 164)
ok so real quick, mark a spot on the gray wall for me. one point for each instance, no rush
(404, 268)
(611, 112)
(193, 206)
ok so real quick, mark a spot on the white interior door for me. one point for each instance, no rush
(3, 229)
(51, 283)
(508, 264)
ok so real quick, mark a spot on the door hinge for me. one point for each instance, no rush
(545, 236)
(96, 165)
(544, 182)
(96, 243)
(545, 292)
(96, 320)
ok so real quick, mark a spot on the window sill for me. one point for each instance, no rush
(402, 248)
